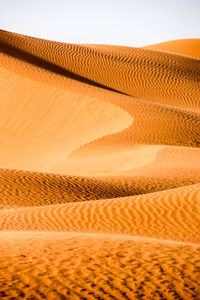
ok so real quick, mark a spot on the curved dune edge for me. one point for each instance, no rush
(171, 215)
(158, 118)
(82, 163)
(49, 122)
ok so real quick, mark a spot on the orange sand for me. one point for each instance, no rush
(100, 170)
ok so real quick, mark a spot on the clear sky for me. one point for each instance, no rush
(120, 22)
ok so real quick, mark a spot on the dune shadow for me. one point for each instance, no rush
(39, 62)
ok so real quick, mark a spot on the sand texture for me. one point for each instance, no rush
(99, 170)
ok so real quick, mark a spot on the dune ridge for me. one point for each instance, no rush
(155, 69)
(99, 170)
(171, 215)
(187, 47)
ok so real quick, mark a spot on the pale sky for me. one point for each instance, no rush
(119, 22)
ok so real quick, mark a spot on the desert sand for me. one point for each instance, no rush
(99, 170)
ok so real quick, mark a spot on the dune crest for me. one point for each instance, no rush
(187, 47)
(136, 72)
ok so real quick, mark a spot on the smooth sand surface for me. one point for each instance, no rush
(99, 170)
(187, 47)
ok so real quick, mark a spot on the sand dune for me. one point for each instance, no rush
(187, 47)
(99, 170)
(25, 188)
(160, 77)
(170, 215)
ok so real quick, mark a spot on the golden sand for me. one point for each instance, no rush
(100, 170)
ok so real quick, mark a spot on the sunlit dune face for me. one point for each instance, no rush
(100, 170)
(190, 47)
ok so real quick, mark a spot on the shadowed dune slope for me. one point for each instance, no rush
(157, 76)
(99, 170)
(23, 188)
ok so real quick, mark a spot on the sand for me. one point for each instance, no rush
(99, 170)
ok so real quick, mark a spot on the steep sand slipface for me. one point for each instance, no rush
(100, 170)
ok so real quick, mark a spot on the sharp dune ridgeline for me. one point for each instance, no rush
(99, 170)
